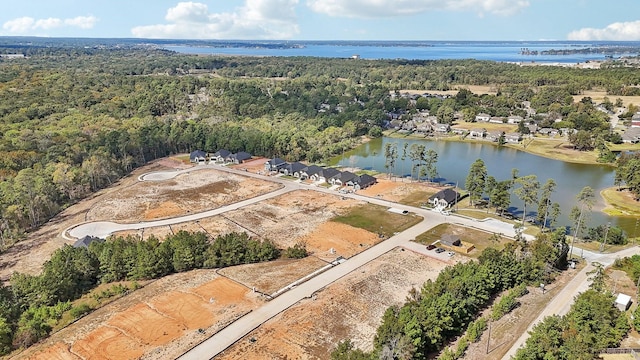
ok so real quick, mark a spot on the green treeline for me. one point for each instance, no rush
(74, 120)
(445, 308)
(593, 323)
(31, 305)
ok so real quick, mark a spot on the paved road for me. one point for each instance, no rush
(249, 322)
(103, 229)
(243, 326)
(561, 303)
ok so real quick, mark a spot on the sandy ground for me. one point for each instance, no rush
(350, 308)
(153, 323)
(399, 190)
(191, 192)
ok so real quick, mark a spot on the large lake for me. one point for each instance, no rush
(455, 159)
(504, 51)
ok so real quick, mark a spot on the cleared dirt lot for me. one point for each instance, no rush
(350, 308)
(152, 322)
(191, 192)
(404, 191)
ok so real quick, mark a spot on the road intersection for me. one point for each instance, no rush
(226, 337)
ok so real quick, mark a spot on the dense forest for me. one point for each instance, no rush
(75, 119)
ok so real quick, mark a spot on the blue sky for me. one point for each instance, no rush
(326, 19)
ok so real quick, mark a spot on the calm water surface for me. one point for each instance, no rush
(455, 159)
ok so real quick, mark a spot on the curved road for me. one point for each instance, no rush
(243, 326)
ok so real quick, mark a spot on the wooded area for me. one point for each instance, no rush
(75, 120)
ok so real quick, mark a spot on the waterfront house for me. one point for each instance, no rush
(444, 198)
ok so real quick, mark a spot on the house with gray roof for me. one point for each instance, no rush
(219, 156)
(274, 164)
(325, 174)
(239, 157)
(361, 182)
(309, 171)
(342, 178)
(293, 169)
(198, 156)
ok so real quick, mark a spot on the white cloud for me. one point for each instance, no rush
(256, 19)
(392, 8)
(83, 22)
(19, 25)
(620, 31)
(26, 25)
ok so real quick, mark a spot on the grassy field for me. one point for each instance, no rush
(620, 203)
(480, 239)
(556, 149)
(417, 198)
(378, 220)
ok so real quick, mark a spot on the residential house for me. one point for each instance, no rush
(450, 240)
(424, 128)
(342, 178)
(219, 156)
(477, 133)
(325, 174)
(444, 198)
(238, 158)
(274, 164)
(482, 117)
(631, 136)
(514, 119)
(293, 169)
(548, 131)
(533, 128)
(513, 137)
(494, 135)
(496, 120)
(361, 182)
(309, 171)
(198, 156)
(442, 128)
(395, 124)
(459, 131)
(86, 241)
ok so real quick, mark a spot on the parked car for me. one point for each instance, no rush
(439, 250)
(451, 253)
(431, 247)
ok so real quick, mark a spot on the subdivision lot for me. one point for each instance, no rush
(154, 322)
(350, 308)
(191, 192)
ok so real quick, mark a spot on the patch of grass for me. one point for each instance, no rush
(417, 198)
(288, 177)
(184, 158)
(378, 220)
(620, 202)
(556, 149)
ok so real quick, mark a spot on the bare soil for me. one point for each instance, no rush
(401, 190)
(152, 323)
(191, 192)
(270, 277)
(351, 308)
